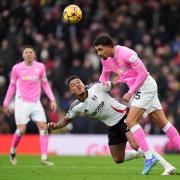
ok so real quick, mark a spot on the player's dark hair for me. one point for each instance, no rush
(27, 46)
(71, 78)
(104, 40)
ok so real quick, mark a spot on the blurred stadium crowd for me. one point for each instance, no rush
(152, 28)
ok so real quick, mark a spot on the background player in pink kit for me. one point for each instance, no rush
(26, 80)
(142, 94)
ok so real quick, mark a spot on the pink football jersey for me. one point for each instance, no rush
(26, 82)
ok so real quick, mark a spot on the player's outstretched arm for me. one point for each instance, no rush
(60, 124)
(53, 106)
(104, 76)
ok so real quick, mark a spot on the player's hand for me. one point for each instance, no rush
(7, 111)
(53, 106)
(104, 83)
(126, 97)
(115, 81)
(51, 125)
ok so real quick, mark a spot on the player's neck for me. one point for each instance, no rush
(83, 96)
(28, 63)
(113, 51)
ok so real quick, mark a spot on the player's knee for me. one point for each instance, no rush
(130, 123)
(161, 123)
(20, 131)
(135, 146)
(118, 160)
(43, 132)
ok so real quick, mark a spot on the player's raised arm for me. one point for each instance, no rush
(60, 124)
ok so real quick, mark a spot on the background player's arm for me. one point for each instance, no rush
(10, 92)
(60, 124)
(47, 89)
(11, 89)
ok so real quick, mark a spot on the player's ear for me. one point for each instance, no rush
(71, 91)
(35, 57)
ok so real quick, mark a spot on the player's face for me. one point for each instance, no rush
(29, 55)
(104, 51)
(77, 87)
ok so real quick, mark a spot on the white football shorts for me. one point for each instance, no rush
(26, 111)
(146, 96)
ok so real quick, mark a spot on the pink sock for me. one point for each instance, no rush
(16, 138)
(172, 134)
(141, 140)
(44, 145)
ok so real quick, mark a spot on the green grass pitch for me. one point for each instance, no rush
(81, 168)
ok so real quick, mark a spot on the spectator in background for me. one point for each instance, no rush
(7, 54)
(146, 25)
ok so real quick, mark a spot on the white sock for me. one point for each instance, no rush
(132, 154)
(12, 150)
(165, 164)
(44, 157)
(148, 154)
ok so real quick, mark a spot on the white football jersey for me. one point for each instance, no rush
(99, 104)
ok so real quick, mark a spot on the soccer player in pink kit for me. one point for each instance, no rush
(142, 95)
(26, 80)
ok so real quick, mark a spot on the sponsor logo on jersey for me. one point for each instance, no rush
(27, 78)
(100, 106)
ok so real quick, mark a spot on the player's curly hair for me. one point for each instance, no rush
(104, 40)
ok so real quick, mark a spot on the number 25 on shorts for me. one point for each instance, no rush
(137, 95)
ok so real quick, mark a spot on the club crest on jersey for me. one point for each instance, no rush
(36, 71)
(94, 98)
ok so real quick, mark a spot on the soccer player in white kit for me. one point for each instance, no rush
(142, 95)
(27, 77)
(94, 100)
